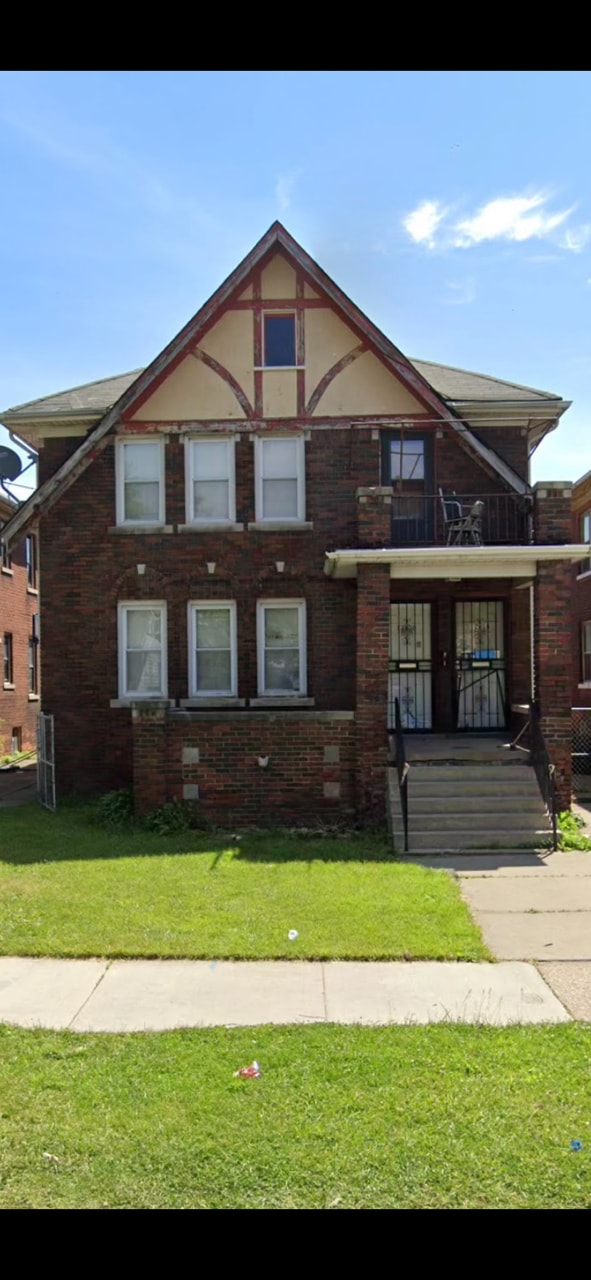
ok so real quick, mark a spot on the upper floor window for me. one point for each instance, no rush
(140, 481)
(31, 560)
(279, 340)
(212, 649)
(6, 557)
(211, 486)
(280, 478)
(34, 655)
(281, 630)
(8, 658)
(142, 649)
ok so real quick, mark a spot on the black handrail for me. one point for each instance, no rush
(402, 769)
(544, 769)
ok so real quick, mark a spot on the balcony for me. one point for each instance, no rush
(461, 520)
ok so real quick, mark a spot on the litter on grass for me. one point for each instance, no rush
(249, 1073)
(292, 935)
(576, 1144)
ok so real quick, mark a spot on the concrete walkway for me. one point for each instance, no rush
(159, 995)
(535, 907)
(18, 785)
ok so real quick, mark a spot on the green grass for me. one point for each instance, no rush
(69, 888)
(347, 1117)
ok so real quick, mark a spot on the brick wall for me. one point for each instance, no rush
(308, 775)
(553, 631)
(17, 606)
(581, 695)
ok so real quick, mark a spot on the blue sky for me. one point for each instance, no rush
(454, 207)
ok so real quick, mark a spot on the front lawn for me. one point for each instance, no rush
(68, 888)
(342, 1117)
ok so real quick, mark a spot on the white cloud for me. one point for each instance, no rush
(575, 238)
(423, 222)
(284, 187)
(461, 292)
(509, 218)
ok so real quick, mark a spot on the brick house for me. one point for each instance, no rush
(19, 637)
(252, 547)
(581, 532)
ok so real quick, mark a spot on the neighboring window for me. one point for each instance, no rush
(8, 659)
(31, 560)
(6, 557)
(279, 340)
(210, 481)
(585, 565)
(212, 648)
(280, 478)
(142, 649)
(34, 655)
(281, 626)
(140, 482)
(586, 652)
(16, 740)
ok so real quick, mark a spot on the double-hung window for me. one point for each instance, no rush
(142, 649)
(586, 652)
(212, 649)
(280, 478)
(8, 659)
(281, 630)
(140, 482)
(34, 655)
(211, 488)
(585, 565)
(31, 561)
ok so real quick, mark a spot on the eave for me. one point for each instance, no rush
(454, 562)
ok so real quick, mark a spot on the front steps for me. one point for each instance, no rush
(467, 796)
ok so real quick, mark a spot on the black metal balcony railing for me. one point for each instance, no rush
(497, 519)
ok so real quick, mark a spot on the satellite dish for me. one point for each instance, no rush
(10, 464)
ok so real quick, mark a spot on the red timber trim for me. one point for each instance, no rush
(258, 342)
(226, 376)
(332, 373)
(300, 346)
(283, 304)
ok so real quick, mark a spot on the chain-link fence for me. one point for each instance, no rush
(582, 752)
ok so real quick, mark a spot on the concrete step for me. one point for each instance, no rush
(458, 822)
(525, 804)
(461, 773)
(472, 841)
(472, 789)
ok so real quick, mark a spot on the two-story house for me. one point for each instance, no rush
(252, 547)
(19, 638)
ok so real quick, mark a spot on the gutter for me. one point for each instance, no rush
(465, 555)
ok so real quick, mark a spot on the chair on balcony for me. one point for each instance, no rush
(462, 522)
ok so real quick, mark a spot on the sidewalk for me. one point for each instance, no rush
(158, 995)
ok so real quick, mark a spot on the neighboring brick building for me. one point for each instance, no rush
(19, 640)
(582, 595)
(252, 547)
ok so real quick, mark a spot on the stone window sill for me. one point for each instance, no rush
(586, 574)
(34, 697)
(9, 572)
(211, 526)
(285, 702)
(140, 528)
(8, 685)
(280, 526)
(32, 591)
(196, 704)
(143, 702)
(584, 684)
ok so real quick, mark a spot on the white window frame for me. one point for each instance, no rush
(230, 443)
(584, 652)
(120, 481)
(282, 314)
(278, 603)
(192, 608)
(300, 477)
(122, 608)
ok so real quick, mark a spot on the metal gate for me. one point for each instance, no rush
(45, 761)
(480, 665)
(410, 667)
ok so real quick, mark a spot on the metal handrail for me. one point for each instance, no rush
(545, 770)
(402, 769)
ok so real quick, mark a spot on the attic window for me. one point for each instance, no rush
(279, 340)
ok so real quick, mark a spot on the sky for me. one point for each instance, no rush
(453, 207)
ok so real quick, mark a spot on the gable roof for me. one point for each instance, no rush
(121, 393)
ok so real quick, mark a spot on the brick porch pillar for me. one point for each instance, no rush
(149, 755)
(374, 529)
(553, 630)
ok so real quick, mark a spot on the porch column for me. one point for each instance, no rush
(373, 646)
(374, 516)
(149, 755)
(553, 630)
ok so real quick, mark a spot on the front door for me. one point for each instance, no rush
(411, 669)
(480, 697)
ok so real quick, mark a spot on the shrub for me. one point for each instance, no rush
(570, 833)
(168, 818)
(115, 809)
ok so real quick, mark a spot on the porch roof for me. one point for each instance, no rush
(453, 562)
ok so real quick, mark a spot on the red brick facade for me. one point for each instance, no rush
(581, 589)
(18, 606)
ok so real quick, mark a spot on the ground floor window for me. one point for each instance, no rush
(142, 649)
(212, 649)
(281, 634)
(586, 652)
